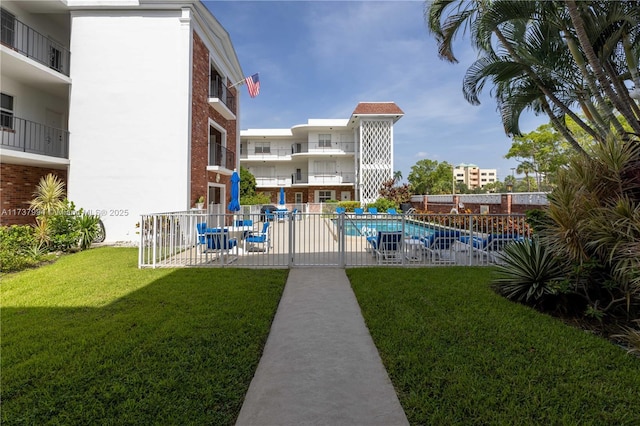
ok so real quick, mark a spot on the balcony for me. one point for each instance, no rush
(23, 135)
(323, 148)
(221, 159)
(221, 99)
(303, 179)
(275, 153)
(23, 39)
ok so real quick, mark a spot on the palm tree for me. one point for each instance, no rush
(531, 66)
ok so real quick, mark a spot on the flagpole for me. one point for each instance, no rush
(240, 82)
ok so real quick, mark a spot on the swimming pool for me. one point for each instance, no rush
(357, 227)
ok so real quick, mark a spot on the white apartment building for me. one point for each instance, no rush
(473, 176)
(325, 159)
(127, 101)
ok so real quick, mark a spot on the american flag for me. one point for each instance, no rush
(253, 84)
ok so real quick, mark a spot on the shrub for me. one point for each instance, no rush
(64, 228)
(18, 248)
(350, 206)
(382, 204)
(529, 273)
(594, 217)
(87, 228)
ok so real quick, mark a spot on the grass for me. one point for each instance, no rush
(92, 339)
(457, 353)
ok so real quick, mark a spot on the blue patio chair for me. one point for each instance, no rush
(268, 215)
(387, 246)
(392, 211)
(245, 222)
(373, 210)
(441, 244)
(219, 242)
(491, 246)
(340, 210)
(258, 238)
(358, 210)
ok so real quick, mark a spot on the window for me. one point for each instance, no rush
(6, 111)
(324, 196)
(325, 167)
(324, 141)
(217, 86)
(7, 28)
(263, 148)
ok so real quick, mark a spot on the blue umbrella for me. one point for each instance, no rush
(234, 204)
(282, 201)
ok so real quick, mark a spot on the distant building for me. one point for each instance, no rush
(473, 176)
(130, 103)
(325, 159)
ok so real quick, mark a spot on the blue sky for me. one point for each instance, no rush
(318, 59)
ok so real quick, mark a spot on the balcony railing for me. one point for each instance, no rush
(306, 147)
(30, 43)
(316, 178)
(28, 136)
(217, 89)
(221, 156)
(278, 152)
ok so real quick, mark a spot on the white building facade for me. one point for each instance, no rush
(325, 159)
(131, 105)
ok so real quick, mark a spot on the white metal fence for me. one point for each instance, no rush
(298, 239)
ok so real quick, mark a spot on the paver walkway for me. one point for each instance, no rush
(320, 366)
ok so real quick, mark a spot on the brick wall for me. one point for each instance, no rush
(201, 112)
(17, 185)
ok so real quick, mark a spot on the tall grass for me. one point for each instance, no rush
(457, 353)
(94, 340)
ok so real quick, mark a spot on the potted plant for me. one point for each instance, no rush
(200, 203)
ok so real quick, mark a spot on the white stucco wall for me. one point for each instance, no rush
(129, 115)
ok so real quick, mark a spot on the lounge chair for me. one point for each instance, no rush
(392, 211)
(372, 210)
(258, 238)
(358, 210)
(440, 245)
(387, 246)
(491, 246)
(340, 210)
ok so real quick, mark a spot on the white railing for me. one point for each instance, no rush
(324, 238)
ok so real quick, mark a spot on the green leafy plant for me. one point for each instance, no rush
(528, 273)
(17, 244)
(382, 204)
(631, 337)
(87, 228)
(48, 196)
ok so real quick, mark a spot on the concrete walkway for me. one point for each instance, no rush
(320, 366)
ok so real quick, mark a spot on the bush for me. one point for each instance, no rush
(63, 228)
(529, 273)
(255, 199)
(350, 206)
(382, 204)
(18, 248)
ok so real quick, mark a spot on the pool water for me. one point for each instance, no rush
(373, 226)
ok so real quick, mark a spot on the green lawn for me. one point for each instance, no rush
(459, 354)
(92, 339)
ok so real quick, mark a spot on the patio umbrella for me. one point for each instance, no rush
(234, 204)
(282, 201)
